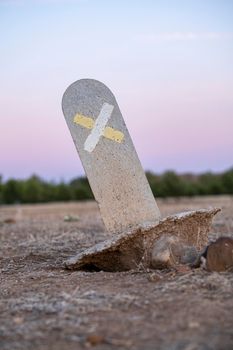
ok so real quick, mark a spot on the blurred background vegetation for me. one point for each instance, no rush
(168, 184)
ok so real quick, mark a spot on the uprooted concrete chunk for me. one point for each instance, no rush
(129, 250)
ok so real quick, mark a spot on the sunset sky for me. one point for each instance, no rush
(169, 64)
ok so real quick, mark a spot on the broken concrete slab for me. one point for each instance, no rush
(132, 249)
(108, 156)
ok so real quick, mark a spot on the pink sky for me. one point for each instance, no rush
(173, 80)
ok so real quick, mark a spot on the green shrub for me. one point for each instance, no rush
(36, 190)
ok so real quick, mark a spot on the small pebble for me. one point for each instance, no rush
(18, 320)
(9, 221)
(95, 339)
(71, 218)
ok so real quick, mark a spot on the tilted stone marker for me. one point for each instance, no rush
(108, 156)
(121, 189)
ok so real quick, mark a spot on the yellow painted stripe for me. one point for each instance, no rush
(109, 133)
(114, 135)
(87, 122)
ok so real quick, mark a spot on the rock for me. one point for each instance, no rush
(169, 251)
(189, 256)
(219, 255)
(95, 339)
(155, 277)
(162, 254)
(18, 320)
(71, 218)
(9, 221)
(132, 249)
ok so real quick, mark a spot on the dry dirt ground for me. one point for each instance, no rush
(44, 306)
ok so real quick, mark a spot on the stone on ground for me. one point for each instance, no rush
(219, 255)
(170, 251)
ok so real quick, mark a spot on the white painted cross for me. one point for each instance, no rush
(99, 127)
(108, 156)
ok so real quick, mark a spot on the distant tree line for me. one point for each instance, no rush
(169, 184)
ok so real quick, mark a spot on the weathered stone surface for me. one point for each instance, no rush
(131, 249)
(108, 156)
(169, 251)
(219, 255)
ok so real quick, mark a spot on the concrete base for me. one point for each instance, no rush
(130, 250)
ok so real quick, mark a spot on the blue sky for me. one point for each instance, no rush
(169, 64)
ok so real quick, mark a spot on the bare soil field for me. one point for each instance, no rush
(45, 306)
